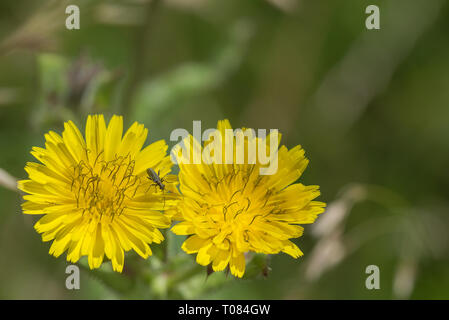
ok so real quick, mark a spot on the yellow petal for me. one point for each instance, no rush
(97, 251)
(74, 141)
(193, 244)
(206, 254)
(113, 137)
(291, 249)
(237, 265)
(221, 260)
(183, 228)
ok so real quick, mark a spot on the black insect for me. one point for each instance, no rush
(157, 180)
(153, 176)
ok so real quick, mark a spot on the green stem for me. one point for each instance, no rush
(164, 246)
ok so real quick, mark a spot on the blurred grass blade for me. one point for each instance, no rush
(7, 180)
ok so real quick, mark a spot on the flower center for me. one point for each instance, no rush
(235, 205)
(104, 188)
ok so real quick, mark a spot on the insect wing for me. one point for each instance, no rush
(152, 174)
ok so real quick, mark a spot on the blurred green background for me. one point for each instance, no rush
(371, 109)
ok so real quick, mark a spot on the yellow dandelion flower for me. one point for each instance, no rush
(230, 209)
(95, 194)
